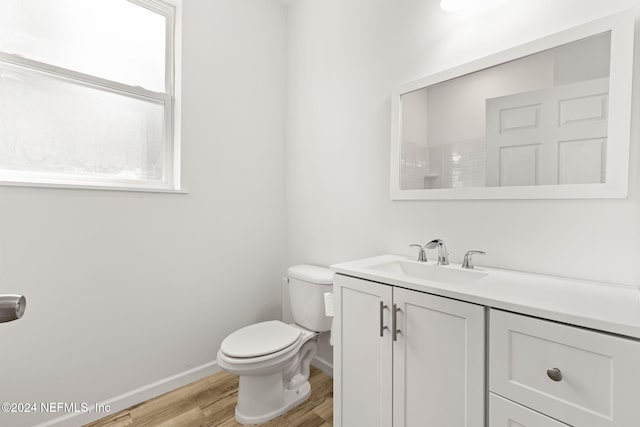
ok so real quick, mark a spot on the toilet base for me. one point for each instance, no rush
(291, 398)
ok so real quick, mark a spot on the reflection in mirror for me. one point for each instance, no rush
(538, 120)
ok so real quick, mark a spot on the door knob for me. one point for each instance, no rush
(12, 307)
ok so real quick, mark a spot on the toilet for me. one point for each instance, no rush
(272, 358)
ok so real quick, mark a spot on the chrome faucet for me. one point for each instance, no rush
(443, 255)
(422, 256)
(467, 263)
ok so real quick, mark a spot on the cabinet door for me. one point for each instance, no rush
(438, 362)
(362, 353)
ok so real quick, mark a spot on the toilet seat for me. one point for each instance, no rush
(260, 339)
(267, 362)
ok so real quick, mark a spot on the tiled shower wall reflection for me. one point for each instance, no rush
(452, 165)
(463, 163)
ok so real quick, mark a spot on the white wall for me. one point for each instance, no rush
(125, 289)
(344, 59)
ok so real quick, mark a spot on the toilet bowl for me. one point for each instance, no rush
(273, 358)
(272, 380)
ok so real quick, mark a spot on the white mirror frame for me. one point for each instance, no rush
(615, 186)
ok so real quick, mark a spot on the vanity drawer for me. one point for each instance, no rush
(505, 413)
(578, 376)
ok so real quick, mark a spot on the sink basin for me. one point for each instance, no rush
(430, 272)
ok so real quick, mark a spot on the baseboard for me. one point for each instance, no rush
(133, 397)
(323, 365)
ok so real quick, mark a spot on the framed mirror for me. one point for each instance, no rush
(549, 119)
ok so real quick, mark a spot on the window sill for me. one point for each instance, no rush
(100, 187)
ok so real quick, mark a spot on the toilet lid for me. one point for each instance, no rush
(260, 339)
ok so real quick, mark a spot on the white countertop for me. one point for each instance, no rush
(603, 306)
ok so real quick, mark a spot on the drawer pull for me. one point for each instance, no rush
(394, 322)
(383, 307)
(554, 374)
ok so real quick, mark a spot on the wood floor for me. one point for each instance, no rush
(211, 402)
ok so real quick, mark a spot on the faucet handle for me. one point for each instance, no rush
(422, 256)
(467, 263)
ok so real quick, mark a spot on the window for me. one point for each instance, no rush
(89, 93)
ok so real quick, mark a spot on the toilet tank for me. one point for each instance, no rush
(307, 286)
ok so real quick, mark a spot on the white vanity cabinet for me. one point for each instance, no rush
(406, 358)
(559, 352)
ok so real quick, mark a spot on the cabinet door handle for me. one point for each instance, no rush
(554, 374)
(383, 307)
(394, 322)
